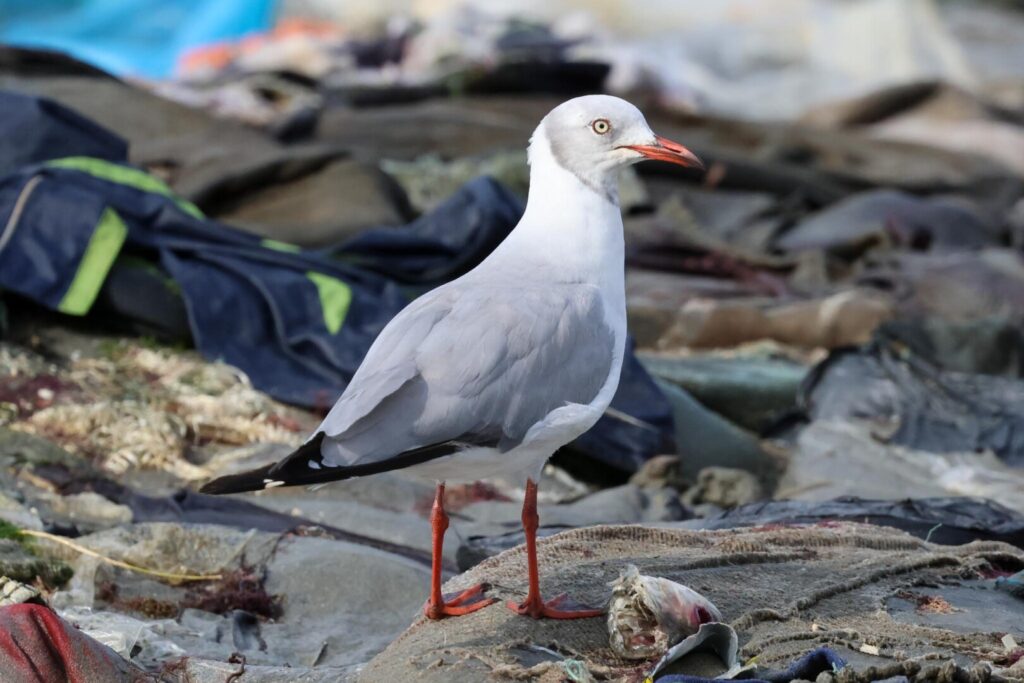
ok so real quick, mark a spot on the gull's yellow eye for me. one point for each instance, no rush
(601, 126)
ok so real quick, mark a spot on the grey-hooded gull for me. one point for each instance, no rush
(491, 373)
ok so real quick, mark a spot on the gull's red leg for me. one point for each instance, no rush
(533, 605)
(464, 602)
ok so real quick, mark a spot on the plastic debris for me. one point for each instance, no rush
(717, 639)
(14, 592)
(1014, 585)
(649, 614)
(138, 407)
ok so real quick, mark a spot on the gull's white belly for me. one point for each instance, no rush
(525, 460)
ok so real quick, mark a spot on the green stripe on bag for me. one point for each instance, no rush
(103, 248)
(278, 245)
(335, 298)
(125, 175)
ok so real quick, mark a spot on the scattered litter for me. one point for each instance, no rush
(14, 592)
(882, 231)
(20, 561)
(143, 408)
(649, 614)
(119, 632)
(1014, 585)
(724, 487)
(717, 639)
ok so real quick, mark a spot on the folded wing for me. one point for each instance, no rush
(466, 364)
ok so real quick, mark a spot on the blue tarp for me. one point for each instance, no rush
(130, 37)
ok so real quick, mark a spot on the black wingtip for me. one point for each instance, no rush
(305, 467)
(254, 480)
(291, 471)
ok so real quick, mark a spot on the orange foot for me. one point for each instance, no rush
(558, 607)
(457, 604)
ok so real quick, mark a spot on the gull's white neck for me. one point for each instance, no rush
(568, 233)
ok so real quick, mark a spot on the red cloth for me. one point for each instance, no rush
(37, 646)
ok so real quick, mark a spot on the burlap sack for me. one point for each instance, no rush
(889, 603)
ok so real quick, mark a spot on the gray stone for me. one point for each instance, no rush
(20, 564)
(170, 547)
(660, 471)
(724, 487)
(19, 448)
(341, 603)
(13, 512)
(86, 511)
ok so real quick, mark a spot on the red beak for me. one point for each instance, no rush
(667, 150)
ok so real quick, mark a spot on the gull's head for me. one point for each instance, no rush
(595, 135)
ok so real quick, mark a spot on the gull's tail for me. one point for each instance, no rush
(294, 470)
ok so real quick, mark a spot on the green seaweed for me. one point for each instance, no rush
(20, 561)
(11, 532)
(23, 564)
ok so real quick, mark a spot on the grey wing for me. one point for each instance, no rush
(471, 364)
(389, 364)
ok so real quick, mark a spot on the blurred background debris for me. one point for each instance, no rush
(208, 210)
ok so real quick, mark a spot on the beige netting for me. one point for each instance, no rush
(785, 591)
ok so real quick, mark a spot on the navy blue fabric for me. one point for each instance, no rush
(806, 668)
(248, 305)
(41, 262)
(37, 129)
(441, 245)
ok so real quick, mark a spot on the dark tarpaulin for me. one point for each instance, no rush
(989, 346)
(807, 668)
(188, 507)
(441, 245)
(926, 408)
(851, 225)
(949, 521)
(36, 129)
